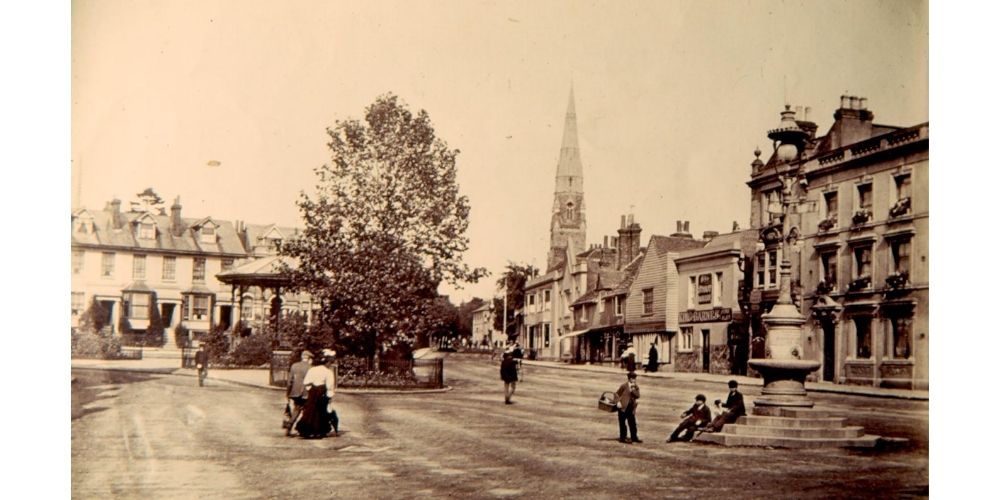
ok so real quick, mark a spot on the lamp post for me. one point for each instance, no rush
(784, 371)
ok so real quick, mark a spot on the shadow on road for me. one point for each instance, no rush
(90, 386)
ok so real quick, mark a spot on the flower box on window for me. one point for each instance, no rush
(861, 283)
(827, 223)
(861, 216)
(897, 280)
(900, 208)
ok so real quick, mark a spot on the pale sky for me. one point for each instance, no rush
(672, 97)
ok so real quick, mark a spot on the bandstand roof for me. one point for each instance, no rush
(263, 271)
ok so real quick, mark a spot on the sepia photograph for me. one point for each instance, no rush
(496, 249)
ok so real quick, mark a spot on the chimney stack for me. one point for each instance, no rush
(176, 223)
(627, 242)
(852, 122)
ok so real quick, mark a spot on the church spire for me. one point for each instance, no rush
(568, 231)
(570, 165)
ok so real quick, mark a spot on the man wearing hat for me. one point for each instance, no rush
(734, 409)
(628, 400)
(296, 392)
(697, 416)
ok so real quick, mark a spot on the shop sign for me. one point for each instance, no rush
(704, 288)
(718, 314)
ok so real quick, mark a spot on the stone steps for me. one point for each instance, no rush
(822, 422)
(795, 432)
(790, 427)
(727, 439)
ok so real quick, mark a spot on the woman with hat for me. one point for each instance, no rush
(319, 384)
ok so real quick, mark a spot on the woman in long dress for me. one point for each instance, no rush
(315, 421)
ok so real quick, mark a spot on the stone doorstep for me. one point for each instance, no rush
(795, 423)
(866, 441)
(795, 432)
(784, 411)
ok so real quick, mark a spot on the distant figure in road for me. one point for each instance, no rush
(628, 400)
(296, 392)
(653, 359)
(508, 373)
(201, 364)
(733, 409)
(331, 360)
(696, 417)
(628, 358)
(315, 421)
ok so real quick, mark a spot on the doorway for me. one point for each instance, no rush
(829, 351)
(167, 314)
(226, 317)
(706, 351)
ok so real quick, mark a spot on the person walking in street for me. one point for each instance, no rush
(628, 358)
(628, 400)
(508, 373)
(734, 408)
(653, 359)
(696, 417)
(315, 421)
(201, 364)
(331, 361)
(296, 392)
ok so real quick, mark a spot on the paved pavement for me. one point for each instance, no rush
(163, 363)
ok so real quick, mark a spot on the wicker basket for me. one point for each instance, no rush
(607, 402)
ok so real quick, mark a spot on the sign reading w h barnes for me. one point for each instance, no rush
(706, 315)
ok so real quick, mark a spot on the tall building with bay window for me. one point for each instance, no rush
(859, 234)
(142, 270)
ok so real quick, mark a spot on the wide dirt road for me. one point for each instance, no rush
(161, 436)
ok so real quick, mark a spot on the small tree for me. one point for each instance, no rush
(385, 228)
(512, 283)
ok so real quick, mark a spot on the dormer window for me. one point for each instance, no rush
(207, 233)
(147, 231)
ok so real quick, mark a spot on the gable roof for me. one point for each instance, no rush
(673, 243)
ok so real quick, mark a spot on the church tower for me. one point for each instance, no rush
(568, 230)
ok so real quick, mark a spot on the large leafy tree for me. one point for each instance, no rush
(385, 227)
(511, 282)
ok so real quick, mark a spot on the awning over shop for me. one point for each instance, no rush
(574, 334)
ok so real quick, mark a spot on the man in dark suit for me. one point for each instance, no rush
(735, 408)
(628, 396)
(296, 391)
(201, 364)
(697, 416)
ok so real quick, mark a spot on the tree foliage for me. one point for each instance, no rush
(512, 280)
(385, 227)
(465, 315)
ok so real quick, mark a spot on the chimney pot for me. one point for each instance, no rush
(680, 226)
(605, 241)
(807, 111)
(623, 222)
(844, 102)
(687, 226)
(854, 102)
(863, 103)
(798, 113)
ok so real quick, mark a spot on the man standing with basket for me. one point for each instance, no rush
(628, 400)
